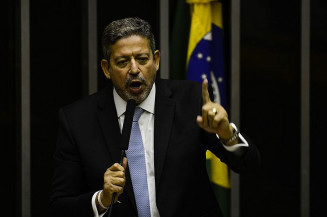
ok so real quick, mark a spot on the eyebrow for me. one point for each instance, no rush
(137, 55)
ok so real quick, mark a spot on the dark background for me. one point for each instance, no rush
(270, 94)
(270, 105)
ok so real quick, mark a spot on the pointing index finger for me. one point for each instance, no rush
(205, 93)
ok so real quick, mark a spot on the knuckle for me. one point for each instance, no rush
(112, 187)
(106, 178)
(205, 106)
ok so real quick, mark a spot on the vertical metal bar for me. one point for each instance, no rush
(235, 95)
(164, 39)
(92, 47)
(25, 109)
(305, 109)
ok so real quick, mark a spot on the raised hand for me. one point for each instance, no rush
(214, 117)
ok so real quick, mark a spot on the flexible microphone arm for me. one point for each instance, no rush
(126, 133)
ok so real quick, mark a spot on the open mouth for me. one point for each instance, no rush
(135, 84)
(135, 87)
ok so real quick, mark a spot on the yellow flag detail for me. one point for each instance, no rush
(203, 14)
(219, 171)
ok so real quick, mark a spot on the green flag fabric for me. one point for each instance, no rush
(179, 40)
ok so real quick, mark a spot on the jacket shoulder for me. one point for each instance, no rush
(87, 103)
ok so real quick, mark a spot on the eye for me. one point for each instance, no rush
(142, 60)
(122, 63)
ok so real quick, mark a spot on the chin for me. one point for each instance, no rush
(138, 98)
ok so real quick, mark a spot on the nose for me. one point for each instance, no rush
(134, 67)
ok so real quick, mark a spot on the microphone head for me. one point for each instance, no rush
(126, 132)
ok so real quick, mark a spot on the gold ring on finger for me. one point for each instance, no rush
(214, 110)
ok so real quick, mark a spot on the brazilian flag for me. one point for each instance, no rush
(205, 59)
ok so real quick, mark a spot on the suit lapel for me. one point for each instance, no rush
(108, 120)
(164, 115)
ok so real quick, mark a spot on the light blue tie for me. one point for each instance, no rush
(136, 163)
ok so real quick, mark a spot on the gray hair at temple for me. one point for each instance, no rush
(124, 28)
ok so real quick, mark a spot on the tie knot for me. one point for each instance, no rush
(137, 114)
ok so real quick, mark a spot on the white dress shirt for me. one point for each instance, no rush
(146, 123)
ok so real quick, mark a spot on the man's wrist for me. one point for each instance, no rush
(99, 199)
(234, 139)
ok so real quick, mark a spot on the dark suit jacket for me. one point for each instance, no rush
(88, 143)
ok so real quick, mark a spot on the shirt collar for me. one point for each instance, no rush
(147, 104)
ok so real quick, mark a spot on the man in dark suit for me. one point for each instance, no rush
(179, 124)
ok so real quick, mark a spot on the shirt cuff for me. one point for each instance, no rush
(234, 148)
(94, 206)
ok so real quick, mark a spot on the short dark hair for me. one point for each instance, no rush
(124, 28)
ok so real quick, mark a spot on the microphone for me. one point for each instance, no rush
(127, 127)
(126, 133)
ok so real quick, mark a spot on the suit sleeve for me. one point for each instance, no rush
(248, 161)
(69, 196)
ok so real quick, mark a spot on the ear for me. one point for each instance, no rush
(105, 68)
(157, 59)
